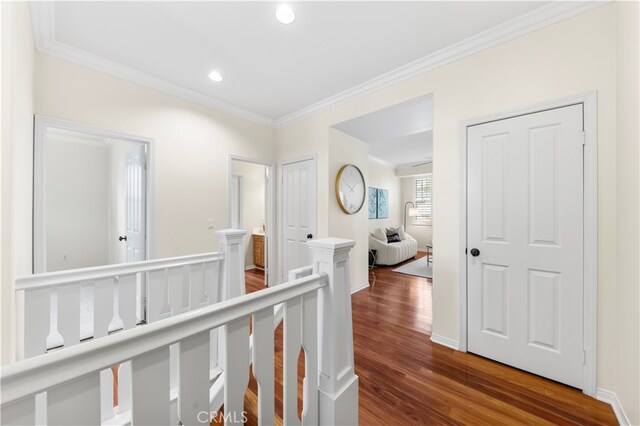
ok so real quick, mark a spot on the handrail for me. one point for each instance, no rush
(73, 276)
(42, 372)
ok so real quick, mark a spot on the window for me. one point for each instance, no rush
(422, 196)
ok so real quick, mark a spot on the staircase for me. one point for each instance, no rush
(195, 351)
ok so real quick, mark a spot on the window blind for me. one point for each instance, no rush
(423, 198)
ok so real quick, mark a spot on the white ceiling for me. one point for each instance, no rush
(401, 134)
(270, 70)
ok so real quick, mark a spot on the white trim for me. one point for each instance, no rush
(502, 33)
(249, 267)
(43, 22)
(357, 289)
(445, 341)
(589, 100)
(612, 399)
(270, 210)
(41, 123)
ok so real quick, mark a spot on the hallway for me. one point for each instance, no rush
(406, 379)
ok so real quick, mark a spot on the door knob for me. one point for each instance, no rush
(309, 236)
(122, 238)
(475, 252)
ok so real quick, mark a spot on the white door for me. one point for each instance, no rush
(298, 213)
(135, 205)
(525, 242)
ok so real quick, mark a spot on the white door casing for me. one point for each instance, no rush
(525, 288)
(135, 204)
(298, 213)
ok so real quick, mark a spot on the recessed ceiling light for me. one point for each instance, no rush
(285, 15)
(215, 76)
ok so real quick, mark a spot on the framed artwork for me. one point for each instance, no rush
(373, 203)
(383, 203)
(378, 203)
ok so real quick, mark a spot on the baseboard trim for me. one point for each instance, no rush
(246, 268)
(612, 399)
(445, 341)
(357, 289)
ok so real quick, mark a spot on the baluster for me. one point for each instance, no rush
(102, 306)
(212, 280)
(263, 364)
(116, 321)
(69, 313)
(37, 305)
(76, 402)
(158, 301)
(106, 394)
(127, 300)
(174, 281)
(310, 345)
(292, 334)
(174, 358)
(124, 387)
(21, 412)
(236, 370)
(150, 388)
(185, 286)
(197, 293)
(194, 378)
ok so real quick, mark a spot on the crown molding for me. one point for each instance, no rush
(43, 22)
(502, 33)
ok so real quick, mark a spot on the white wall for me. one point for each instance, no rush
(628, 210)
(192, 145)
(16, 149)
(383, 176)
(345, 149)
(422, 233)
(570, 57)
(253, 176)
(76, 205)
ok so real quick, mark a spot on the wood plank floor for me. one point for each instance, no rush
(405, 379)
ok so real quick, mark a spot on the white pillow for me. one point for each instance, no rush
(400, 231)
(379, 235)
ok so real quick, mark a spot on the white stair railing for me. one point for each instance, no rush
(317, 318)
(66, 307)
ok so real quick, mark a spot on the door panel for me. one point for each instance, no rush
(525, 208)
(298, 213)
(135, 204)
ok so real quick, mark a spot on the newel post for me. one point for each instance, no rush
(232, 245)
(338, 384)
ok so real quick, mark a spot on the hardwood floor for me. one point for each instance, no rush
(405, 379)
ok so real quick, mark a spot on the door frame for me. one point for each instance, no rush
(41, 122)
(590, 230)
(270, 210)
(281, 164)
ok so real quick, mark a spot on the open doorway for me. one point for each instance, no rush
(91, 205)
(251, 208)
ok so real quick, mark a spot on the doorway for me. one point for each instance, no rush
(528, 288)
(251, 208)
(91, 202)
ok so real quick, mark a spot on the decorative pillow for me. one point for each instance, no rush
(393, 238)
(379, 234)
(399, 230)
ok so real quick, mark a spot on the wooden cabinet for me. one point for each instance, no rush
(258, 250)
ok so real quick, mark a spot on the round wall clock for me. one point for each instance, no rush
(350, 189)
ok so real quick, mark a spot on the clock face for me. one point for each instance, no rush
(350, 189)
